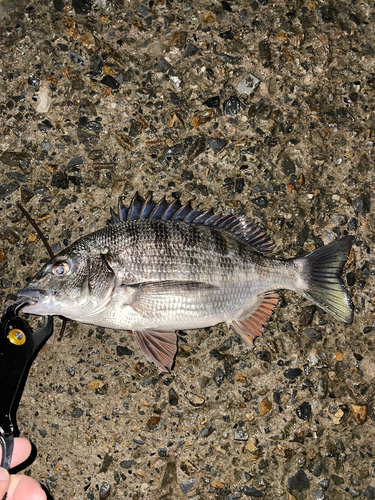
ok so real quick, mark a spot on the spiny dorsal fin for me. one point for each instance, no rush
(241, 228)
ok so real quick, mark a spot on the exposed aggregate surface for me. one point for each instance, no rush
(263, 108)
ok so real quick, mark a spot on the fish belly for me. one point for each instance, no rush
(176, 310)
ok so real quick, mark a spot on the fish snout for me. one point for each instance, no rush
(34, 294)
(39, 300)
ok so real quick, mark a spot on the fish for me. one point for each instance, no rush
(159, 267)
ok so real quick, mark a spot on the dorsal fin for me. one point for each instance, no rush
(241, 228)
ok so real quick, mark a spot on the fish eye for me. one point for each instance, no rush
(60, 268)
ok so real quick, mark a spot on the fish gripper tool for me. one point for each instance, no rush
(19, 345)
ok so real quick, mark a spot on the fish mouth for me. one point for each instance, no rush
(37, 300)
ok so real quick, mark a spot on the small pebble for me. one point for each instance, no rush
(322, 388)
(154, 423)
(186, 486)
(306, 315)
(363, 203)
(126, 464)
(190, 50)
(303, 411)
(226, 35)
(264, 50)
(231, 106)
(250, 491)
(164, 65)
(226, 345)
(105, 490)
(265, 406)
(7, 189)
(77, 413)
(59, 5)
(212, 102)
(243, 16)
(270, 141)
(219, 376)
(110, 82)
(359, 412)
(76, 58)
(194, 400)
(248, 84)
(196, 148)
(226, 6)
(82, 7)
(16, 159)
(369, 493)
(122, 350)
(240, 435)
(208, 430)
(202, 117)
(299, 482)
(317, 495)
(292, 373)
(318, 469)
(260, 201)
(288, 166)
(338, 416)
(172, 397)
(314, 335)
(217, 144)
(75, 162)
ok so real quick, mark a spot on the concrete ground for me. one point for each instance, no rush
(263, 108)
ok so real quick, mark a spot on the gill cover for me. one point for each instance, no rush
(101, 281)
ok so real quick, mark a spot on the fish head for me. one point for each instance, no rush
(77, 283)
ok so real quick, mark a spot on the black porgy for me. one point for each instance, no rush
(162, 267)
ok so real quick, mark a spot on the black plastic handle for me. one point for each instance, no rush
(18, 345)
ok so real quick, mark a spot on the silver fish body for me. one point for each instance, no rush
(155, 276)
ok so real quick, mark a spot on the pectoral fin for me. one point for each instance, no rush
(254, 325)
(150, 298)
(159, 346)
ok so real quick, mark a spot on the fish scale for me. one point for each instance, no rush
(159, 267)
(162, 250)
(170, 250)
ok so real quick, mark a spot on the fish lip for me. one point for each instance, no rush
(34, 294)
(37, 299)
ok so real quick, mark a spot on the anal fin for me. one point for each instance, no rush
(254, 325)
(159, 346)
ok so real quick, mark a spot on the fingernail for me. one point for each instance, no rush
(4, 474)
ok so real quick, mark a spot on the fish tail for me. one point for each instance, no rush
(322, 271)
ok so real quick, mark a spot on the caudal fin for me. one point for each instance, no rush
(323, 269)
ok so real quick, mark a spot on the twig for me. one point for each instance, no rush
(35, 226)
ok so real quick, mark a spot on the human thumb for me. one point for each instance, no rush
(4, 482)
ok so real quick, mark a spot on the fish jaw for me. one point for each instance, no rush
(41, 301)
